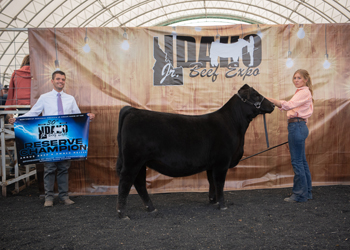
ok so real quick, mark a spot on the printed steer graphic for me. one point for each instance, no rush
(182, 145)
(61, 129)
(233, 50)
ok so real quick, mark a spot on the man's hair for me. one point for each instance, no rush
(57, 72)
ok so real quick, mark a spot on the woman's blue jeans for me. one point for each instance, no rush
(297, 133)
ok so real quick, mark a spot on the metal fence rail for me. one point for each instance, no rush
(8, 134)
(13, 48)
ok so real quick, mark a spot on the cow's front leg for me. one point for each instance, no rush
(219, 177)
(123, 192)
(212, 191)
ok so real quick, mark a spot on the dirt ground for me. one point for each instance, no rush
(255, 219)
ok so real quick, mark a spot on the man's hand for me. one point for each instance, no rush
(91, 115)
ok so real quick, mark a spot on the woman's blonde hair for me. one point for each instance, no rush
(307, 77)
(25, 61)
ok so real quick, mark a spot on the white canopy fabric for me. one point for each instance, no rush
(16, 16)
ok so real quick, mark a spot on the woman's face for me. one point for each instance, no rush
(299, 81)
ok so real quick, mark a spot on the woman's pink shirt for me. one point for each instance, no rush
(300, 105)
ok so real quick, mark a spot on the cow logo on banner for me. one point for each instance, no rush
(239, 57)
(51, 138)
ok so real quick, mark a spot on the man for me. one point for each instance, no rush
(55, 102)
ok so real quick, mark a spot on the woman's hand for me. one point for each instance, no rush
(274, 101)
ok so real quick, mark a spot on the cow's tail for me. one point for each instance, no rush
(123, 113)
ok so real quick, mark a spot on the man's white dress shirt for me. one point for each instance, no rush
(47, 105)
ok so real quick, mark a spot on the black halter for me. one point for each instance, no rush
(256, 104)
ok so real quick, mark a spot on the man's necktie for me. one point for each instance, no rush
(59, 104)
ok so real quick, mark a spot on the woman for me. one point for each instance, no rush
(299, 109)
(19, 89)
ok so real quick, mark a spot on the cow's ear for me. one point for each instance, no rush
(245, 86)
(244, 92)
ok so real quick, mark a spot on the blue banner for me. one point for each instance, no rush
(51, 138)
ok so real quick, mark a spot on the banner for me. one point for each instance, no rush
(51, 138)
(195, 71)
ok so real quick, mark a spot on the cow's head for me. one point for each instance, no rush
(252, 97)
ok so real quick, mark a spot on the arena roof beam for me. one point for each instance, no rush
(166, 15)
(193, 17)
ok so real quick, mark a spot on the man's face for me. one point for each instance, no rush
(58, 82)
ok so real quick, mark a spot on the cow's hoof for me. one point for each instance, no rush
(122, 216)
(151, 209)
(154, 211)
(214, 202)
(125, 218)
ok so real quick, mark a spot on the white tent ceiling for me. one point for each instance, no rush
(18, 15)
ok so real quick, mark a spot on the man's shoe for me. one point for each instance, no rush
(67, 202)
(289, 200)
(48, 204)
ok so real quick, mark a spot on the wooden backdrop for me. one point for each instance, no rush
(108, 78)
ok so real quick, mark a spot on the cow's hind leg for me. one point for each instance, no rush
(123, 192)
(212, 191)
(140, 185)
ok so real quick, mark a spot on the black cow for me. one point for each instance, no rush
(182, 145)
